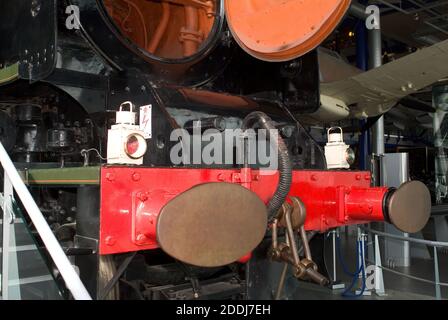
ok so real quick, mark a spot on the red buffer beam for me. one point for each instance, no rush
(132, 198)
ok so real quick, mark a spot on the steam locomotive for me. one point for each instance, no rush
(91, 91)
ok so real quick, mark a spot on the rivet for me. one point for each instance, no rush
(143, 196)
(110, 241)
(141, 238)
(136, 176)
(110, 176)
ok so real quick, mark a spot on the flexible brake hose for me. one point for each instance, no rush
(284, 163)
(359, 269)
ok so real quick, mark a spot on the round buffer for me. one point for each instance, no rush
(212, 224)
(409, 207)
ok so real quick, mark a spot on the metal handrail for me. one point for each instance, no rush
(431, 243)
(443, 284)
(434, 244)
(68, 273)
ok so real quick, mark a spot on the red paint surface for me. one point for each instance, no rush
(131, 199)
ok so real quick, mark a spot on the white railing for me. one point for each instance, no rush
(434, 244)
(379, 287)
(13, 181)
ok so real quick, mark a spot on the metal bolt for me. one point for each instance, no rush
(141, 238)
(110, 241)
(233, 281)
(314, 177)
(136, 176)
(110, 176)
(358, 177)
(142, 196)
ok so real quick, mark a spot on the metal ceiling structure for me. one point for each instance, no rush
(426, 21)
(406, 26)
(421, 23)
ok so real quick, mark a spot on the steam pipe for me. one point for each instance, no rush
(161, 28)
(191, 26)
(142, 20)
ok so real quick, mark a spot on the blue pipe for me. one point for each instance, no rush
(362, 63)
(360, 269)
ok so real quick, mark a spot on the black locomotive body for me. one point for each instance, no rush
(63, 75)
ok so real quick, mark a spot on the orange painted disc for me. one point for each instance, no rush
(281, 30)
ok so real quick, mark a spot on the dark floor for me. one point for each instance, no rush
(309, 291)
(397, 287)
